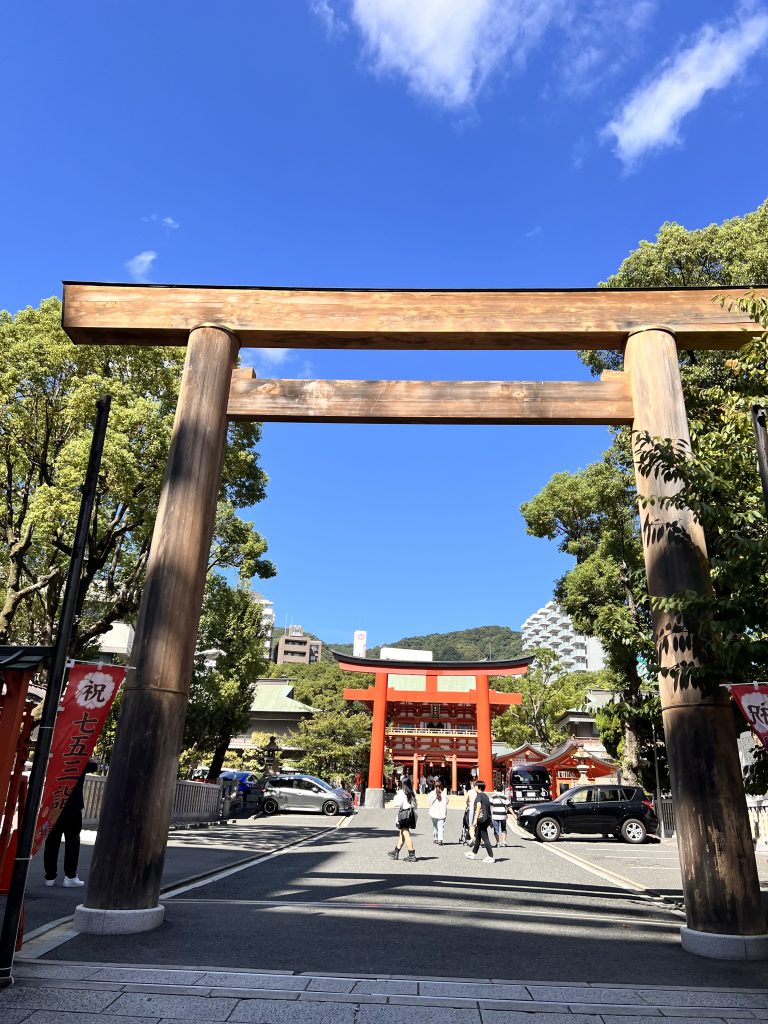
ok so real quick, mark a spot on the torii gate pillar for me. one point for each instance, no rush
(725, 918)
(124, 884)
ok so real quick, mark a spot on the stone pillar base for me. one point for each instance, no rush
(725, 947)
(117, 922)
(374, 798)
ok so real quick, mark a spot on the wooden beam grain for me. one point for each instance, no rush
(335, 318)
(416, 401)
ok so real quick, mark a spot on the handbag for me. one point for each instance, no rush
(406, 817)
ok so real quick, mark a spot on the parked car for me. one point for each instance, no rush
(528, 784)
(248, 784)
(621, 811)
(294, 792)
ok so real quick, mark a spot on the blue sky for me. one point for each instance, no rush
(391, 143)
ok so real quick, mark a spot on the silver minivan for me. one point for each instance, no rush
(294, 792)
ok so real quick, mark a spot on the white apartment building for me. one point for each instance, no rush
(550, 627)
(268, 620)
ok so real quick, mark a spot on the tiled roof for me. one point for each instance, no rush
(277, 697)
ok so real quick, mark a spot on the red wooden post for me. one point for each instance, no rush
(374, 794)
(484, 751)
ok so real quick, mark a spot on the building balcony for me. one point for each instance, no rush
(412, 730)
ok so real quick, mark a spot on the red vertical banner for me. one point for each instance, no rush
(752, 698)
(88, 696)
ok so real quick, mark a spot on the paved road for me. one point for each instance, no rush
(191, 852)
(338, 904)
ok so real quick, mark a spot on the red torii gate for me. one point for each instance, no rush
(485, 702)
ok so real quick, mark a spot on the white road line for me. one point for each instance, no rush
(227, 872)
(611, 876)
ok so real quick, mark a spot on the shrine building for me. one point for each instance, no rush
(432, 717)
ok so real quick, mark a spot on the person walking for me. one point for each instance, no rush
(69, 824)
(438, 811)
(499, 807)
(405, 804)
(481, 820)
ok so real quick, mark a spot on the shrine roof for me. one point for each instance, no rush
(513, 666)
(23, 658)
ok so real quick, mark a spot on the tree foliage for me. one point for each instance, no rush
(48, 388)
(335, 743)
(220, 698)
(717, 479)
(547, 693)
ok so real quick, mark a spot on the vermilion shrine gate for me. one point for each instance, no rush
(721, 890)
(441, 714)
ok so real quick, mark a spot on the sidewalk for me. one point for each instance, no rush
(55, 993)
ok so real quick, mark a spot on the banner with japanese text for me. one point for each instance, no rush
(88, 696)
(752, 698)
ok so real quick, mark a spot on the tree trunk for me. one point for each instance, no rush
(219, 753)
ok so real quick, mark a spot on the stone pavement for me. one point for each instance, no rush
(57, 993)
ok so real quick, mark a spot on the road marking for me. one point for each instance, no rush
(244, 865)
(612, 876)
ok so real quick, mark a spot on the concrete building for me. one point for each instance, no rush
(294, 648)
(268, 621)
(550, 627)
(118, 640)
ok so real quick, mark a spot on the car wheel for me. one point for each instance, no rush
(633, 831)
(271, 806)
(330, 807)
(547, 830)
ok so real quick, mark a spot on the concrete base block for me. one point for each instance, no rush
(725, 947)
(117, 922)
(374, 798)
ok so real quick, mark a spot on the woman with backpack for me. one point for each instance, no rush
(405, 804)
(438, 810)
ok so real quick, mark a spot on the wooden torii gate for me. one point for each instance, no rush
(722, 895)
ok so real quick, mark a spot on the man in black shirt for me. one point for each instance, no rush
(481, 820)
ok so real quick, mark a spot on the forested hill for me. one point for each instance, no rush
(496, 643)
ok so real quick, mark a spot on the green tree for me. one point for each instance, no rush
(322, 685)
(48, 387)
(593, 516)
(720, 485)
(220, 698)
(547, 692)
(335, 744)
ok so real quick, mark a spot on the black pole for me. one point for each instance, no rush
(759, 415)
(53, 692)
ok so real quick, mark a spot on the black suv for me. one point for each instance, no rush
(622, 811)
(528, 784)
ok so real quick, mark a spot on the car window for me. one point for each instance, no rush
(283, 783)
(305, 784)
(610, 794)
(629, 793)
(583, 796)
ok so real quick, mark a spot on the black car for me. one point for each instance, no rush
(528, 784)
(621, 811)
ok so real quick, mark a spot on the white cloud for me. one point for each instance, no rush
(335, 25)
(651, 117)
(274, 356)
(446, 49)
(140, 265)
(534, 232)
(602, 37)
(167, 222)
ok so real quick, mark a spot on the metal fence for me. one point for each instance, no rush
(193, 801)
(757, 808)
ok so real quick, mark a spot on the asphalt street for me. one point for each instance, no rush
(567, 912)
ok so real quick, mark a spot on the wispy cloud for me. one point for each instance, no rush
(446, 49)
(601, 38)
(265, 360)
(534, 232)
(650, 119)
(140, 265)
(334, 23)
(167, 222)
